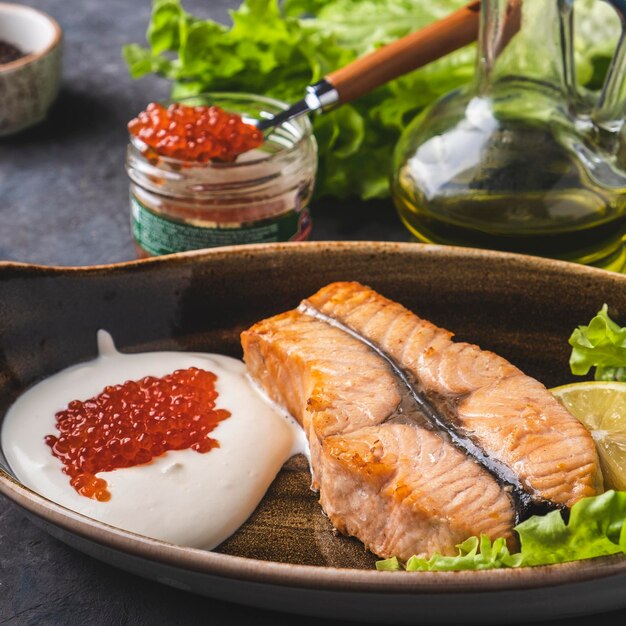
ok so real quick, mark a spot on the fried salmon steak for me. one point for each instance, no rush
(417, 442)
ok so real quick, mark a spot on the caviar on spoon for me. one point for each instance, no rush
(194, 133)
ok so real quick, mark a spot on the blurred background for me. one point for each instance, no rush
(63, 187)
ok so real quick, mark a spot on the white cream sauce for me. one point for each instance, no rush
(182, 497)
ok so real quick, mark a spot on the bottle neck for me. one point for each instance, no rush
(525, 41)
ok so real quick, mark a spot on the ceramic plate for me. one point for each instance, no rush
(286, 557)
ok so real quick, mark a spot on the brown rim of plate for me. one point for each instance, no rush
(32, 56)
(308, 576)
(317, 247)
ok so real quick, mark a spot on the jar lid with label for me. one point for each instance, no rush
(262, 196)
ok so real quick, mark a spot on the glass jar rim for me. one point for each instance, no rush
(303, 122)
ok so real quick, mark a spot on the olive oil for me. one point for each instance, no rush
(527, 194)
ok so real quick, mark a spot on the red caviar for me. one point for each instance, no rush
(132, 423)
(194, 133)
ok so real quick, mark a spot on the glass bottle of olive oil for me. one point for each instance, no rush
(519, 161)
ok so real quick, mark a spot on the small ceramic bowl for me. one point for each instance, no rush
(30, 84)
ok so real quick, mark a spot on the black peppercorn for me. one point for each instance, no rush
(8, 52)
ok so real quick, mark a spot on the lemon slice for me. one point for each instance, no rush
(601, 407)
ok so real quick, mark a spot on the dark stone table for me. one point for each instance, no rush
(63, 201)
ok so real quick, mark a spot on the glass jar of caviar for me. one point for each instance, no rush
(262, 196)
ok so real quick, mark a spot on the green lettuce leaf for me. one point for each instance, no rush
(277, 48)
(601, 344)
(596, 527)
(474, 553)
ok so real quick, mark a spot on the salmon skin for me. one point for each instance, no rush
(417, 442)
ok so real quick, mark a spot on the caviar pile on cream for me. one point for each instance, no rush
(183, 496)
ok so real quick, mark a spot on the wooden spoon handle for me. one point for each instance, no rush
(408, 53)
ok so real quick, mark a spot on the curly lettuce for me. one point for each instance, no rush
(596, 527)
(600, 344)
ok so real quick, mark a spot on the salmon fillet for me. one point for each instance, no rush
(417, 442)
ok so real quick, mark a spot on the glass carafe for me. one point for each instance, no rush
(521, 160)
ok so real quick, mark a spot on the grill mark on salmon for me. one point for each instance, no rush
(430, 496)
(526, 503)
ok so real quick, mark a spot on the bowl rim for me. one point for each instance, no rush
(326, 578)
(7, 7)
(317, 247)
